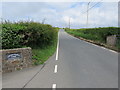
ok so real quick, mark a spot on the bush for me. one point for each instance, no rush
(97, 34)
(10, 35)
(20, 34)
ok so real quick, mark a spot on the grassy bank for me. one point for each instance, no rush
(97, 35)
(40, 55)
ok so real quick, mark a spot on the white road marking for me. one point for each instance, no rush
(57, 48)
(55, 70)
(113, 51)
(100, 46)
(54, 86)
(105, 48)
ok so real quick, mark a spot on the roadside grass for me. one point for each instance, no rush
(97, 35)
(40, 55)
(118, 45)
(86, 36)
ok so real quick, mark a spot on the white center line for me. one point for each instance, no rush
(55, 70)
(54, 86)
(57, 47)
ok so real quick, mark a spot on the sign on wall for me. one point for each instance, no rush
(13, 56)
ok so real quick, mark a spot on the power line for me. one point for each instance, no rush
(87, 12)
(88, 9)
(92, 7)
(69, 22)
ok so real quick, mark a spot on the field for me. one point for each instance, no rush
(42, 38)
(97, 35)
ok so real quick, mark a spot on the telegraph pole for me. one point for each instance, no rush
(43, 21)
(69, 22)
(87, 12)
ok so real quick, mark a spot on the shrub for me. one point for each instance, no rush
(15, 35)
(97, 34)
(10, 36)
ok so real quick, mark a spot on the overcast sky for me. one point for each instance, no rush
(104, 14)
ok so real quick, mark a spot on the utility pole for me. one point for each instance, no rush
(87, 12)
(43, 21)
(69, 22)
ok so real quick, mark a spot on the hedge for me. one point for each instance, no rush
(21, 34)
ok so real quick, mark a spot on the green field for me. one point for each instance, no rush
(98, 35)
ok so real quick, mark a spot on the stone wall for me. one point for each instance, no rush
(16, 59)
(112, 40)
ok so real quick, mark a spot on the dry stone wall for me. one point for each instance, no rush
(15, 59)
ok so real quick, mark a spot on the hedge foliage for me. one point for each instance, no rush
(97, 34)
(20, 34)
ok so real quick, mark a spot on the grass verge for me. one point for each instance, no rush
(95, 36)
(40, 55)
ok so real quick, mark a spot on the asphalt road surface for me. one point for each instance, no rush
(76, 64)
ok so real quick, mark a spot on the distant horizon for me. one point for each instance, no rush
(104, 14)
(56, 26)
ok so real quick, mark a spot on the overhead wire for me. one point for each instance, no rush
(92, 7)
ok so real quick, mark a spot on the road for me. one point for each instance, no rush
(76, 64)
